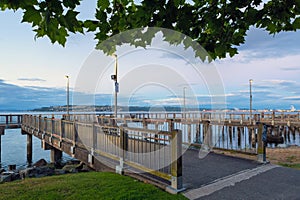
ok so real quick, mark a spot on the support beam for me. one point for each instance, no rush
(2, 128)
(56, 155)
(29, 149)
(176, 165)
(0, 150)
(261, 153)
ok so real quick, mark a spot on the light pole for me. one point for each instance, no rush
(184, 103)
(114, 77)
(68, 94)
(250, 85)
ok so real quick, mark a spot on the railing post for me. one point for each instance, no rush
(19, 119)
(261, 154)
(170, 125)
(124, 149)
(189, 133)
(273, 118)
(176, 165)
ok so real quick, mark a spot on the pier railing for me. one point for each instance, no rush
(10, 119)
(154, 142)
(138, 148)
(226, 129)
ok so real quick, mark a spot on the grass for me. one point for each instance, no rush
(295, 166)
(92, 185)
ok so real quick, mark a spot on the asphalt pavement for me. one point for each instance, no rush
(224, 177)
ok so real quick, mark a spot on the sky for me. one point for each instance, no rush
(32, 72)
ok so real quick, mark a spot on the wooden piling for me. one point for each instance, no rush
(29, 149)
(239, 136)
(198, 133)
(230, 134)
(223, 134)
(0, 150)
(289, 135)
(285, 134)
(56, 155)
(293, 133)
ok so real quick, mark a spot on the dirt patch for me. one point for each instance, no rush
(290, 155)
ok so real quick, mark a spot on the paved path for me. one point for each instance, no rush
(224, 177)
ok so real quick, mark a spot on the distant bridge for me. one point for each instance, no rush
(151, 143)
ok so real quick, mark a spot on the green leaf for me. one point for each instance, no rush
(91, 25)
(178, 2)
(103, 4)
(71, 3)
(71, 21)
(296, 23)
(101, 15)
(61, 37)
(31, 15)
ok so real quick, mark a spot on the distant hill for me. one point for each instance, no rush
(107, 108)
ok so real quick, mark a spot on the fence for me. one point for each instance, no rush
(143, 149)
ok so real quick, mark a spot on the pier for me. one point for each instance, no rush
(152, 146)
(8, 122)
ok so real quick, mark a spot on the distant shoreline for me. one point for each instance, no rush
(109, 108)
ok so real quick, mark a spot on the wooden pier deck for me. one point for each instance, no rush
(154, 143)
(151, 145)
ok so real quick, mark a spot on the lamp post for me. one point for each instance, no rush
(250, 85)
(68, 94)
(184, 103)
(114, 77)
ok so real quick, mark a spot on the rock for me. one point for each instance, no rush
(51, 165)
(85, 168)
(12, 167)
(5, 178)
(59, 171)
(2, 170)
(39, 163)
(9, 176)
(37, 172)
(80, 165)
(73, 162)
(70, 168)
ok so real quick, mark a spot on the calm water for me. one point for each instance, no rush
(14, 149)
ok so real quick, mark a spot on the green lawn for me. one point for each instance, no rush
(295, 166)
(92, 185)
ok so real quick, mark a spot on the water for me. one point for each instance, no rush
(14, 149)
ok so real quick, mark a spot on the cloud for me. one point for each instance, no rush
(290, 68)
(260, 44)
(32, 79)
(24, 98)
(292, 98)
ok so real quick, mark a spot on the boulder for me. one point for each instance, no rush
(9, 176)
(5, 178)
(59, 171)
(37, 172)
(70, 168)
(2, 170)
(73, 162)
(86, 168)
(40, 163)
